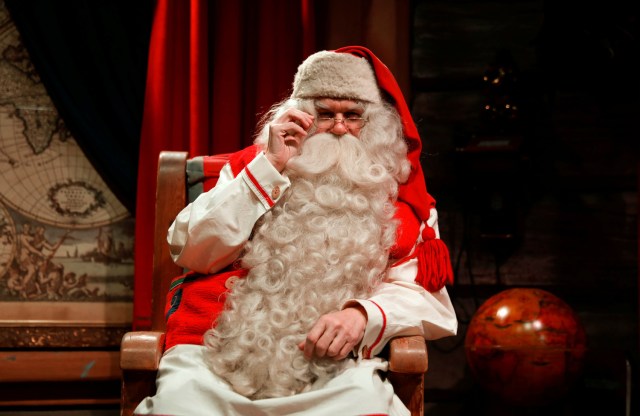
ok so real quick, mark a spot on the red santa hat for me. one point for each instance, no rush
(354, 72)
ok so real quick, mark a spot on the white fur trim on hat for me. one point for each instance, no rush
(336, 75)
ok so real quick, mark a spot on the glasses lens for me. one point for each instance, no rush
(324, 122)
(354, 122)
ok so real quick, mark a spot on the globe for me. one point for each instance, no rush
(525, 347)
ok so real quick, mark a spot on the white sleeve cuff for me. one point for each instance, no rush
(372, 341)
(264, 180)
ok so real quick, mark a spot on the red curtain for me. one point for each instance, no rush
(214, 68)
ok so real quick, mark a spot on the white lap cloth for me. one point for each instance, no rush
(186, 387)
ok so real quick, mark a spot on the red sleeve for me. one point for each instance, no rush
(408, 230)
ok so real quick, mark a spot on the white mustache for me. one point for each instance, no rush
(346, 156)
(324, 151)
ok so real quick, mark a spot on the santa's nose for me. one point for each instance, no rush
(339, 128)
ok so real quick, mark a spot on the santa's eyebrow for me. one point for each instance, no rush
(322, 106)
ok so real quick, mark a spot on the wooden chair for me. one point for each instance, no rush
(141, 350)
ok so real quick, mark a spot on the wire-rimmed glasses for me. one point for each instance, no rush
(351, 121)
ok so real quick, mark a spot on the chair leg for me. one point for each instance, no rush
(136, 385)
(410, 389)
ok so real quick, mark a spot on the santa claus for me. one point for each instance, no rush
(317, 246)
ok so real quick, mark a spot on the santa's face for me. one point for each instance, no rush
(338, 116)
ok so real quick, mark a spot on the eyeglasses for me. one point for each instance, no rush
(352, 121)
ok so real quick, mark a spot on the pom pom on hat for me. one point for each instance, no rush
(336, 75)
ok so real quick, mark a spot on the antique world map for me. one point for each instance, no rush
(64, 236)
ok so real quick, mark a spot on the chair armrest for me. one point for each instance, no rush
(141, 350)
(408, 355)
(140, 354)
(408, 363)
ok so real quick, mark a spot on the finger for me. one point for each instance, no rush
(292, 145)
(297, 116)
(346, 349)
(278, 134)
(323, 344)
(293, 129)
(313, 336)
(336, 346)
(309, 347)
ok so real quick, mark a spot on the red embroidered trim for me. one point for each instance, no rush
(384, 325)
(257, 185)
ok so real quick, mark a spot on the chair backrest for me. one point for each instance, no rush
(203, 173)
(180, 180)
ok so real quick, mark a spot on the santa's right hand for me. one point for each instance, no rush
(285, 136)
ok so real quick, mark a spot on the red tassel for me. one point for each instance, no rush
(434, 265)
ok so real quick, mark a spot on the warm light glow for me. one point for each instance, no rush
(503, 312)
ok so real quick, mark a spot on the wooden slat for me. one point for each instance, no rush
(60, 402)
(38, 366)
(170, 199)
(59, 393)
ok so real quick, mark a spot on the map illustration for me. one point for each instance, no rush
(64, 236)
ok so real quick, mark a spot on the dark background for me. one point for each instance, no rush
(550, 200)
(545, 196)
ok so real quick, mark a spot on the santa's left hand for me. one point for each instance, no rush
(335, 334)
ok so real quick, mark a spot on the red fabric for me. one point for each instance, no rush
(213, 67)
(258, 48)
(407, 233)
(240, 159)
(211, 166)
(194, 303)
(434, 265)
(165, 125)
(414, 191)
(434, 269)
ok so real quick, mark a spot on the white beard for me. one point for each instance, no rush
(325, 242)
